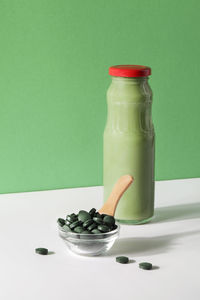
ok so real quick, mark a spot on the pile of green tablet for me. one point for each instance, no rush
(90, 222)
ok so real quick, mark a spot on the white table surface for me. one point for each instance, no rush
(171, 242)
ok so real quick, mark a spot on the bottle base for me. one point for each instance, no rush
(134, 222)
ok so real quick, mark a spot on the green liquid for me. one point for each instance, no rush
(129, 147)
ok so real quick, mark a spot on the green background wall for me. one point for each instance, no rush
(54, 59)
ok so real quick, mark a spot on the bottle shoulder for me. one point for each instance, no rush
(129, 93)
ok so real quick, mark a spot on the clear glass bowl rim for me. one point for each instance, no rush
(93, 235)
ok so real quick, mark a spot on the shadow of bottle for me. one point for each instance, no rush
(159, 244)
(177, 212)
(148, 245)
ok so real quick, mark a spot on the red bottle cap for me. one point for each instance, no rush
(129, 71)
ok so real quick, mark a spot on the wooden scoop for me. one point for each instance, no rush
(120, 187)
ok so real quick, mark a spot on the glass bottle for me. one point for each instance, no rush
(129, 142)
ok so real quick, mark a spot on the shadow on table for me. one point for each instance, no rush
(148, 246)
(177, 212)
(51, 252)
(159, 244)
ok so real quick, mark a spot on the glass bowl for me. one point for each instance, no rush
(89, 244)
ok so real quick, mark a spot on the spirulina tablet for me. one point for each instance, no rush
(83, 216)
(75, 224)
(61, 221)
(42, 251)
(109, 220)
(103, 215)
(66, 228)
(98, 220)
(103, 228)
(78, 229)
(73, 215)
(87, 223)
(96, 231)
(98, 215)
(92, 226)
(86, 232)
(145, 266)
(72, 218)
(122, 259)
(92, 211)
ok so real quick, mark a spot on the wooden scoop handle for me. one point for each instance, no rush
(119, 188)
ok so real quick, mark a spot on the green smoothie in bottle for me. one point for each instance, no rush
(129, 142)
